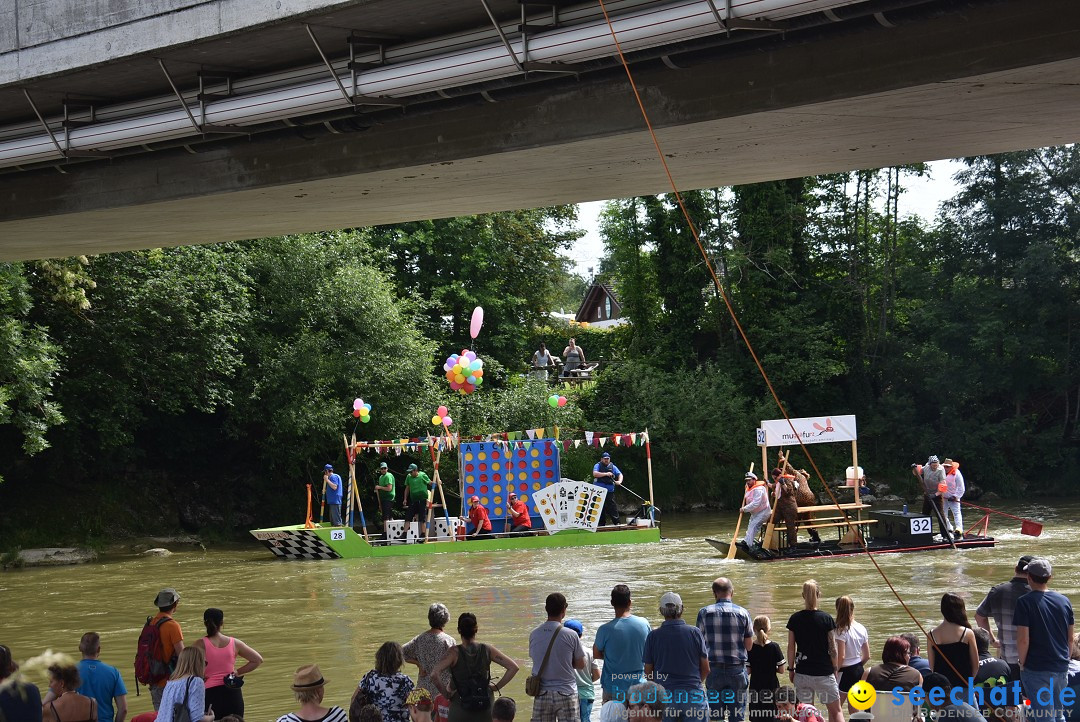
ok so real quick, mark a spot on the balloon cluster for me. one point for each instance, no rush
(361, 410)
(556, 402)
(442, 418)
(464, 372)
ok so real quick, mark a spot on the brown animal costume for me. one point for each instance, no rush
(787, 509)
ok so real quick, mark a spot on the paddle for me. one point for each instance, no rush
(1027, 526)
(735, 536)
(941, 518)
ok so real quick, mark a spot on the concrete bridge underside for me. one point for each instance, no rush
(972, 80)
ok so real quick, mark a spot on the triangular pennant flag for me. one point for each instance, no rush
(588, 437)
(512, 435)
(616, 439)
(603, 439)
(633, 439)
(539, 433)
(566, 445)
(527, 444)
(531, 433)
(577, 443)
(556, 433)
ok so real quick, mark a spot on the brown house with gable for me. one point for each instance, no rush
(601, 307)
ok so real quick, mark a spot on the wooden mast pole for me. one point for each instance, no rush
(648, 466)
(354, 491)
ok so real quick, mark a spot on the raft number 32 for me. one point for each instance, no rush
(339, 534)
(921, 525)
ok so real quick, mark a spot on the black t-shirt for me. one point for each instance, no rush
(763, 660)
(992, 667)
(811, 628)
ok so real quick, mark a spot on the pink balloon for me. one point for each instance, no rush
(477, 322)
(357, 403)
(562, 401)
(443, 411)
(447, 421)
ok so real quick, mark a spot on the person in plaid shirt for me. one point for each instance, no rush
(999, 604)
(729, 634)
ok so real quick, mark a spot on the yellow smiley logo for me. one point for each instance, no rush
(862, 695)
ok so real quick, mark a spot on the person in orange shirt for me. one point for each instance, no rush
(172, 637)
(519, 514)
(478, 517)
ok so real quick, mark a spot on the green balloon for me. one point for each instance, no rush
(553, 401)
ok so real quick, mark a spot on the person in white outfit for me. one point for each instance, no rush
(755, 503)
(954, 492)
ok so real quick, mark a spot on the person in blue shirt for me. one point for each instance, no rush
(606, 475)
(101, 681)
(620, 643)
(676, 658)
(1044, 637)
(332, 485)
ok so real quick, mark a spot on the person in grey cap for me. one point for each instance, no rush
(932, 476)
(1044, 635)
(387, 492)
(170, 634)
(999, 604)
(676, 657)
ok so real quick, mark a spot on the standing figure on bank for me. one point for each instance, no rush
(607, 475)
(954, 492)
(417, 484)
(542, 360)
(755, 503)
(332, 489)
(573, 358)
(787, 508)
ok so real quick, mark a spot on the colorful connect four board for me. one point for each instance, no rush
(491, 470)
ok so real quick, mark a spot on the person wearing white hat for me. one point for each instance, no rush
(755, 503)
(676, 657)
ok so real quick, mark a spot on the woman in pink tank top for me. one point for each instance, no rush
(223, 680)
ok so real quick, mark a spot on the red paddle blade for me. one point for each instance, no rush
(1030, 528)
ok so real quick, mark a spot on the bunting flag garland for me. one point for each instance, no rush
(507, 440)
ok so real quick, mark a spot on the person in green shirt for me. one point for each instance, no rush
(417, 484)
(387, 493)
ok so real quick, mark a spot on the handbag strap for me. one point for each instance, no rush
(554, 636)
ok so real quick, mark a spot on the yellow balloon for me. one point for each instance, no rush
(436, 421)
(460, 379)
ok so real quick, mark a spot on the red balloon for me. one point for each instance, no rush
(356, 413)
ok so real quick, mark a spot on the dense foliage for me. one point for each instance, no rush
(203, 386)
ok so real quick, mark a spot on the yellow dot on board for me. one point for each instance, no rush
(469, 456)
(496, 466)
(498, 511)
(470, 478)
(498, 500)
(535, 452)
(484, 501)
(481, 456)
(536, 486)
(536, 465)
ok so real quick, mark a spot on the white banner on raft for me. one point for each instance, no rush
(811, 430)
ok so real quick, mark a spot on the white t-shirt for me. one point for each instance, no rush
(854, 638)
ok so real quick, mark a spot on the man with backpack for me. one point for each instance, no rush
(160, 644)
(556, 652)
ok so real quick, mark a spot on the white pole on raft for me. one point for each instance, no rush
(648, 466)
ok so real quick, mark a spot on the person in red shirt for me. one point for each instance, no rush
(478, 517)
(519, 514)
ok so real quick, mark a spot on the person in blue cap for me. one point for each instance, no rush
(607, 475)
(587, 676)
(332, 487)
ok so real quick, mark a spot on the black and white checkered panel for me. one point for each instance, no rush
(301, 544)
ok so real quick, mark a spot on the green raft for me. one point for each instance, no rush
(326, 542)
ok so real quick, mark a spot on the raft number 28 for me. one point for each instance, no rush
(921, 525)
(339, 534)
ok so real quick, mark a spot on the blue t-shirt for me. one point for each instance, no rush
(622, 641)
(608, 482)
(675, 650)
(333, 496)
(1047, 615)
(102, 682)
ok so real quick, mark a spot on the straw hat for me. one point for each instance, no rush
(308, 677)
